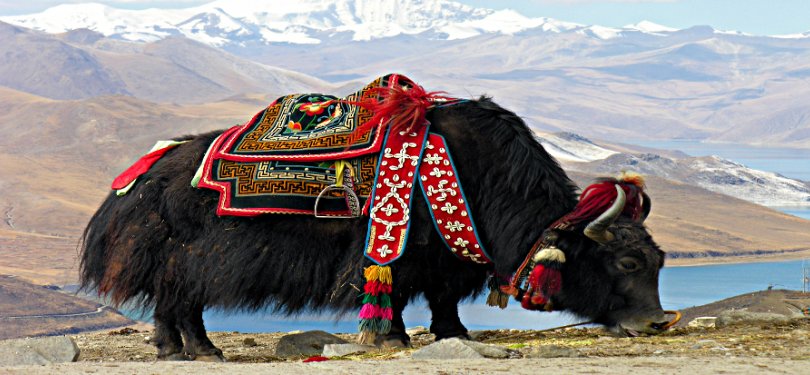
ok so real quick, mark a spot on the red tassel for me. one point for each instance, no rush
(547, 279)
(376, 288)
(405, 106)
(526, 302)
(544, 282)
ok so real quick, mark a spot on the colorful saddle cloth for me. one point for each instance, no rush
(286, 155)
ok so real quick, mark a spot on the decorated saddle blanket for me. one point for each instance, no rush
(289, 153)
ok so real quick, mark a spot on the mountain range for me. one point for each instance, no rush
(643, 81)
(245, 23)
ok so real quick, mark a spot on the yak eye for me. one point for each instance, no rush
(628, 264)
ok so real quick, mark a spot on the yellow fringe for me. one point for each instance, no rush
(385, 275)
(372, 273)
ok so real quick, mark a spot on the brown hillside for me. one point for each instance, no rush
(31, 310)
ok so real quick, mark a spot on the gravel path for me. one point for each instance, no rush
(621, 366)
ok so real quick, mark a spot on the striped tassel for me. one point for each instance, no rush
(376, 313)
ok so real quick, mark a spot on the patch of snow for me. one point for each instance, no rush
(650, 27)
(602, 32)
(766, 188)
(573, 148)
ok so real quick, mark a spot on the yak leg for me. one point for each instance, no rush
(445, 322)
(396, 337)
(167, 337)
(198, 347)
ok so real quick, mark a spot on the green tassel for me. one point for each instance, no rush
(366, 325)
(384, 326)
(385, 300)
(370, 299)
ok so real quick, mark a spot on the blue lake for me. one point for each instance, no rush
(680, 287)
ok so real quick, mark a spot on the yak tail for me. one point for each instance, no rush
(117, 251)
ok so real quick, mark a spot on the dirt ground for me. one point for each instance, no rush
(740, 349)
(787, 341)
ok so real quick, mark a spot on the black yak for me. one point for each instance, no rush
(163, 246)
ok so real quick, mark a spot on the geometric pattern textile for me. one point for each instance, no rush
(287, 154)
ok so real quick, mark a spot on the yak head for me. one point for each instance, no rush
(611, 270)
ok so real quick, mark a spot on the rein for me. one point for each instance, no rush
(524, 334)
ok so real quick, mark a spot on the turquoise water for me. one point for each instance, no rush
(680, 287)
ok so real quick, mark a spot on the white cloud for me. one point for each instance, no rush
(599, 1)
(9, 7)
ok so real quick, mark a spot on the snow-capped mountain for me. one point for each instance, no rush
(712, 173)
(572, 147)
(246, 22)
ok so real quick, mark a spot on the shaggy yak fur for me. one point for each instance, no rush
(162, 246)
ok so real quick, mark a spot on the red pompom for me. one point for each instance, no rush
(545, 282)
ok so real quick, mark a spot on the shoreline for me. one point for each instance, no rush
(736, 259)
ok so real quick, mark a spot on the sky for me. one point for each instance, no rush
(759, 17)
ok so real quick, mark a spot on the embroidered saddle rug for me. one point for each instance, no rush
(289, 153)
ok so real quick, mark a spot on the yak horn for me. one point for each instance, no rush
(597, 229)
(646, 206)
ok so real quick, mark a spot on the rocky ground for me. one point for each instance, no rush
(787, 340)
(753, 333)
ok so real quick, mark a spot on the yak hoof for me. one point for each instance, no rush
(173, 357)
(392, 342)
(210, 358)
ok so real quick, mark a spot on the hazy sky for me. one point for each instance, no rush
(762, 17)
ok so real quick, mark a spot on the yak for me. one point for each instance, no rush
(163, 246)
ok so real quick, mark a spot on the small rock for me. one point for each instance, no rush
(418, 330)
(551, 351)
(249, 342)
(475, 335)
(731, 317)
(339, 350)
(38, 351)
(703, 344)
(704, 322)
(308, 343)
(459, 349)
